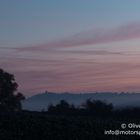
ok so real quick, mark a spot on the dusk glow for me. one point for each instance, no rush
(71, 46)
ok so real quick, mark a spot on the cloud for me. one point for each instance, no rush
(93, 52)
(96, 36)
(35, 75)
(75, 69)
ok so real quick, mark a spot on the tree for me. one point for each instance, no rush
(98, 107)
(10, 99)
(63, 107)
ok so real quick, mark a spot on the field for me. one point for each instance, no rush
(44, 126)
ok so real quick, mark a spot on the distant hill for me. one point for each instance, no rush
(41, 101)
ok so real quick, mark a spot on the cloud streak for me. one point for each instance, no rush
(93, 52)
(35, 75)
(96, 36)
(76, 69)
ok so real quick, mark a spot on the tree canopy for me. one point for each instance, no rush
(10, 99)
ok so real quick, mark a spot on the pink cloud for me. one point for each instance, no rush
(97, 36)
(95, 52)
(35, 75)
(56, 71)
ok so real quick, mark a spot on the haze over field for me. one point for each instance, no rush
(71, 46)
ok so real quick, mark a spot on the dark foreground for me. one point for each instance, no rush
(44, 126)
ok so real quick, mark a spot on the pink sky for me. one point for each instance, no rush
(96, 60)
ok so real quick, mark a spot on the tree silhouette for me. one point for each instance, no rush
(63, 107)
(98, 107)
(9, 97)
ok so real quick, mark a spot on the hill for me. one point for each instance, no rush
(42, 101)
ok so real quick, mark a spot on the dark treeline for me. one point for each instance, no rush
(95, 108)
(90, 107)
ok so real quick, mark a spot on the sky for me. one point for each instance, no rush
(71, 46)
